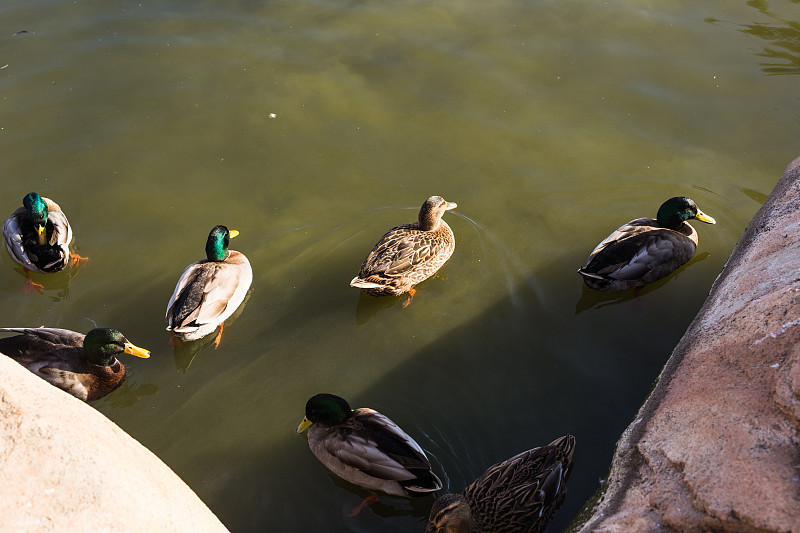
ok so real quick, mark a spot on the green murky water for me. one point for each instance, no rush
(314, 126)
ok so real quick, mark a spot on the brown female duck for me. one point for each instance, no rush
(409, 253)
(518, 495)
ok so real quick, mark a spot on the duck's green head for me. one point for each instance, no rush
(217, 243)
(328, 409)
(37, 212)
(430, 214)
(103, 345)
(675, 211)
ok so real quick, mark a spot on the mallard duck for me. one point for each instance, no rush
(409, 253)
(366, 448)
(209, 290)
(518, 495)
(85, 366)
(644, 250)
(38, 235)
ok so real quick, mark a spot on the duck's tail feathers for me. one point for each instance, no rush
(364, 284)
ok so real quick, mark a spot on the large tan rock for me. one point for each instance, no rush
(66, 467)
(716, 445)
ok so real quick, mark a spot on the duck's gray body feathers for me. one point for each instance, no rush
(638, 253)
(371, 451)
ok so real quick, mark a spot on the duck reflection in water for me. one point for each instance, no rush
(185, 352)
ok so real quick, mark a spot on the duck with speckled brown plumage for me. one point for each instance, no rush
(85, 366)
(408, 254)
(518, 495)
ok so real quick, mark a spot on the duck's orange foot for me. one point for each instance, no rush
(75, 259)
(369, 500)
(176, 342)
(219, 336)
(31, 286)
(411, 292)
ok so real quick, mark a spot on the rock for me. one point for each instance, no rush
(716, 447)
(66, 467)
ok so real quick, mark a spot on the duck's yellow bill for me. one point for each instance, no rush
(451, 205)
(232, 233)
(135, 350)
(702, 217)
(41, 232)
(304, 425)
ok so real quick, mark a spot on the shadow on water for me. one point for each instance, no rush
(756, 196)
(509, 380)
(783, 54)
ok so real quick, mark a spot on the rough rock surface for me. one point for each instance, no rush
(66, 467)
(716, 447)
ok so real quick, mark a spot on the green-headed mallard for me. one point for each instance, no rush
(518, 495)
(644, 250)
(38, 235)
(209, 290)
(366, 448)
(409, 253)
(85, 366)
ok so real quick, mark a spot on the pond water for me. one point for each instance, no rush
(312, 127)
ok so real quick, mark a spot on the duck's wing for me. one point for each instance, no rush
(53, 337)
(637, 249)
(13, 234)
(521, 493)
(44, 348)
(400, 251)
(626, 231)
(373, 444)
(205, 294)
(635, 257)
(62, 231)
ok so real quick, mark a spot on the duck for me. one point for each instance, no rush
(409, 253)
(85, 366)
(210, 290)
(645, 250)
(366, 448)
(518, 495)
(38, 236)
